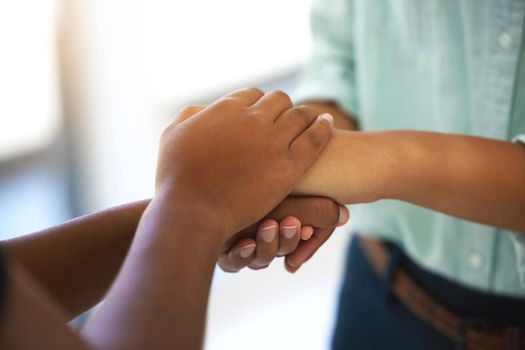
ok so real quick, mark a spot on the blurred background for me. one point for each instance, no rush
(86, 87)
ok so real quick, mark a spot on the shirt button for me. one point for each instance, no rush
(505, 40)
(475, 260)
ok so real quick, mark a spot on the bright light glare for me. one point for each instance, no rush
(29, 114)
(206, 46)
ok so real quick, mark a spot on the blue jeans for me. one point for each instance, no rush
(370, 317)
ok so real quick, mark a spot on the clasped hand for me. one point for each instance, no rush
(236, 161)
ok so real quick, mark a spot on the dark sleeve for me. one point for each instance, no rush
(3, 282)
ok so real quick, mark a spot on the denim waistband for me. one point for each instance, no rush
(463, 301)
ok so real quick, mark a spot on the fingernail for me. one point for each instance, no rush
(328, 117)
(268, 233)
(247, 251)
(344, 214)
(289, 231)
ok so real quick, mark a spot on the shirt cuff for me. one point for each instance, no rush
(519, 139)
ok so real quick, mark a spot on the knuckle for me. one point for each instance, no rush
(235, 258)
(285, 250)
(302, 113)
(258, 267)
(256, 114)
(282, 96)
(319, 135)
(255, 91)
(229, 102)
(315, 139)
(261, 260)
(265, 257)
(188, 110)
(230, 269)
(227, 266)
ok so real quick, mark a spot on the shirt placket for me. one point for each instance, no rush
(504, 35)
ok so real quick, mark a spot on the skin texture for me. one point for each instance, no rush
(158, 300)
(472, 178)
(468, 177)
(75, 262)
(305, 249)
(159, 253)
(95, 245)
(321, 213)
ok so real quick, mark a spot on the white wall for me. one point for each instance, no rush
(29, 103)
(128, 65)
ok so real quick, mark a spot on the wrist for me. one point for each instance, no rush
(354, 167)
(376, 156)
(401, 160)
(185, 213)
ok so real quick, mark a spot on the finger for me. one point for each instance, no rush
(306, 249)
(344, 215)
(186, 113)
(247, 96)
(295, 120)
(273, 104)
(239, 256)
(267, 244)
(306, 232)
(309, 143)
(312, 211)
(289, 235)
(249, 232)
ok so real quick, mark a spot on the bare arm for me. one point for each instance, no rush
(30, 319)
(159, 297)
(76, 262)
(473, 178)
(161, 294)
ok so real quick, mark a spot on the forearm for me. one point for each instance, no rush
(473, 178)
(159, 299)
(351, 169)
(468, 177)
(77, 261)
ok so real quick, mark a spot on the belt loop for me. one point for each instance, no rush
(393, 263)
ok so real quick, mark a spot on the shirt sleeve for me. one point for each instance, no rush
(518, 239)
(330, 71)
(520, 139)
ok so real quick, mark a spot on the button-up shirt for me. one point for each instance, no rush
(452, 66)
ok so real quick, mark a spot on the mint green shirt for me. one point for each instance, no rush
(453, 66)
